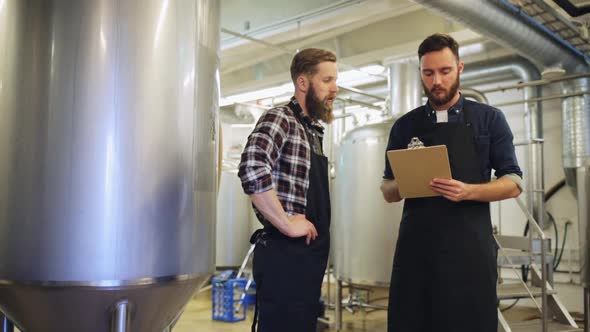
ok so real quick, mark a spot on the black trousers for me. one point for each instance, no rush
(288, 276)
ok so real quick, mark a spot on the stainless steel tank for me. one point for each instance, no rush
(108, 117)
(576, 162)
(364, 226)
(233, 221)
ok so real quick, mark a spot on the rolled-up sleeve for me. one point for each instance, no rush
(262, 151)
(502, 154)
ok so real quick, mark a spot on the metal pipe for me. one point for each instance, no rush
(533, 223)
(361, 103)
(541, 82)
(259, 41)
(360, 92)
(526, 72)
(583, 188)
(540, 195)
(535, 141)
(121, 318)
(297, 19)
(361, 304)
(552, 97)
(474, 94)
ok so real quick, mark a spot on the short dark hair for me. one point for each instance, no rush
(437, 42)
(306, 61)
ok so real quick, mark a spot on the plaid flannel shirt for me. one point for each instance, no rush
(278, 156)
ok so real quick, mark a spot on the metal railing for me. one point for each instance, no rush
(533, 225)
(535, 147)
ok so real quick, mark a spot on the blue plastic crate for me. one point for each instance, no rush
(225, 297)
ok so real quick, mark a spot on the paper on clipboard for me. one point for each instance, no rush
(414, 168)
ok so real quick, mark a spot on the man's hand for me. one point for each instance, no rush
(457, 191)
(453, 190)
(299, 226)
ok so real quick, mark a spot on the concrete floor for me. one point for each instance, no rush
(197, 315)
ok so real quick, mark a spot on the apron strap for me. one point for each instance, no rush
(254, 239)
(255, 320)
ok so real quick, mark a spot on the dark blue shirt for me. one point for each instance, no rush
(493, 137)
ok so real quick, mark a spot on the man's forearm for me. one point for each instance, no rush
(495, 190)
(269, 205)
(390, 191)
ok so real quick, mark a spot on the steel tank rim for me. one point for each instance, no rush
(104, 283)
(367, 127)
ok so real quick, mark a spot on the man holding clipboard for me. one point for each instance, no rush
(445, 255)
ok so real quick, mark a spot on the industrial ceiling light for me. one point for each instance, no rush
(551, 73)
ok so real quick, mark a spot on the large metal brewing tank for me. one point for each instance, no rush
(108, 117)
(364, 226)
(233, 221)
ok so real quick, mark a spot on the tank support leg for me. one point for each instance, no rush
(338, 305)
(586, 308)
(121, 317)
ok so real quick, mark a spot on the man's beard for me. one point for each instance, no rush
(447, 97)
(318, 109)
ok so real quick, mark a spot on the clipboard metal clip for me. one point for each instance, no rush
(415, 143)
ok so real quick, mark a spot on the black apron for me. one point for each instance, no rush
(289, 273)
(444, 270)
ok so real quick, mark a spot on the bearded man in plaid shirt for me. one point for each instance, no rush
(284, 171)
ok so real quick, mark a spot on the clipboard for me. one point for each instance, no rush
(416, 166)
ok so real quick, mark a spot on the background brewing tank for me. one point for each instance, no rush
(108, 111)
(233, 221)
(365, 227)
